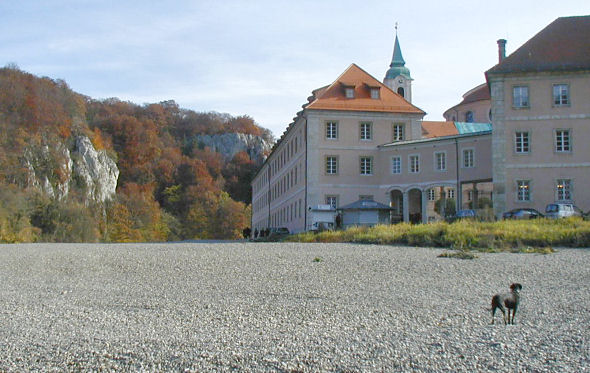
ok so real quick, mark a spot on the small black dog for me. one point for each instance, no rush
(509, 300)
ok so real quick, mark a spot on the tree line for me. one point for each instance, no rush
(169, 187)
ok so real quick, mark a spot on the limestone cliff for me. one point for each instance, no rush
(229, 144)
(56, 169)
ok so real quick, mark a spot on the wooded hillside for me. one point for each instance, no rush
(169, 188)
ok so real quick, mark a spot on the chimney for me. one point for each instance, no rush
(501, 50)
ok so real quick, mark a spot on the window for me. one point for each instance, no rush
(349, 92)
(331, 165)
(375, 93)
(451, 193)
(414, 164)
(401, 92)
(366, 197)
(564, 190)
(366, 166)
(396, 165)
(469, 117)
(431, 194)
(470, 195)
(521, 142)
(468, 158)
(331, 130)
(520, 97)
(560, 95)
(562, 141)
(440, 161)
(366, 131)
(398, 131)
(332, 201)
(523, 192)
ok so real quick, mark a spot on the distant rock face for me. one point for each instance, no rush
(53, 170)
(229, 144)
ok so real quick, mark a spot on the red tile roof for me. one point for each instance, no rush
(431, 129)
(564, 45)
(333, 97)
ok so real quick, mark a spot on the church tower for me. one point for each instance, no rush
(398, 76)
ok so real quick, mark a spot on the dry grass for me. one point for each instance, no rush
(511, 235)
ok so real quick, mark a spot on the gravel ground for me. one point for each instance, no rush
(287, 307)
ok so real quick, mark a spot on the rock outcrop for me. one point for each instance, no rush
(99, 172)
(229, 144)
(56, 170)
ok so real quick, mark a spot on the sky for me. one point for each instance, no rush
(263, 58)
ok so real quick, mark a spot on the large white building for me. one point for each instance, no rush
(358, 139)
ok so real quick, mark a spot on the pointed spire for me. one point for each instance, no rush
(397, 59)
(397, 66)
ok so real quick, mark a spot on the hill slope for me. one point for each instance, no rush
(62, 154)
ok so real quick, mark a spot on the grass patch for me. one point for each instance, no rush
(527, 236)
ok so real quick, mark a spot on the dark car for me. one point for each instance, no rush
(522, 213)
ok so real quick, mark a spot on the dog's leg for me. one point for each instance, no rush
(514, 313)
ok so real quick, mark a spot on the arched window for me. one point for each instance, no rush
(469, 117)
(400, 91)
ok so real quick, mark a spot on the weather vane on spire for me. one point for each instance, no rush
(396, 28)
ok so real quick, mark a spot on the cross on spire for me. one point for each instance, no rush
(396, 28)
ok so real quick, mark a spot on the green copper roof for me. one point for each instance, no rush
(397, 66)
(463, 127)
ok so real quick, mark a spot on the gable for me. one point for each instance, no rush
(360, 83)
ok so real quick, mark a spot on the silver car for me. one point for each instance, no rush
(562, 210)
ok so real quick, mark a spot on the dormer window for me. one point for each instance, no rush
(349, 92)
(375, 93)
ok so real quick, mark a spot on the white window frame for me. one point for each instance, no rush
(349, 92)
(468, 161)
(563, 140)
(431, 194)
(440, 166)
(564, 190)
(366, 131)
(332, 198)
(331, 162)
(451, 193)
(520, 97)
(396, 170)
(414, 163)
(399, 131)
(523, 190)
(375, 93)
(522, 142)
(366, 165)
(561, 95)
(331, 130)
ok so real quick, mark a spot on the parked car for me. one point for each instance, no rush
(522, 213)
(562, 210)
(463, 214)
(277, 233)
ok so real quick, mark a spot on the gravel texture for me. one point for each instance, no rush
(287, 307)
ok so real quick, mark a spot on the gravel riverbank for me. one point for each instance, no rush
(287, 307)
